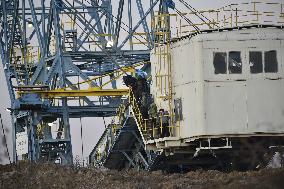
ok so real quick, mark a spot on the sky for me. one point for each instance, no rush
(92, 127)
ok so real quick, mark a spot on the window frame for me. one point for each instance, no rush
(241, 61)
(226, 62)
(228, 71)
(262, 61)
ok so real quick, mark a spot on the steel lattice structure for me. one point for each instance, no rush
(58, 44)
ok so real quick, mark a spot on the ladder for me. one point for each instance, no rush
(163, 66)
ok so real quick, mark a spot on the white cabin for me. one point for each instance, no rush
(228, 83)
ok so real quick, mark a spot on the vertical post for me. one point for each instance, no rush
(43, 22)
(66, 119)
(130, 23)
(67, 134)
(152, 23)
(231, 18)
(24, 39)
(4, 137)
(30, 128)
(110, 21)
(5, 62)
(236, 17)
(59, 54)
(14, 125)
(58, 40)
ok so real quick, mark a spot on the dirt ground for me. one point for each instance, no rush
(25, 175)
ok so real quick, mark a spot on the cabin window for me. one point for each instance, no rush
(220, 62)
(235, 62)
(255, 62)
(270, 62)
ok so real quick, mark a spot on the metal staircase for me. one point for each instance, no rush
(123, 145)
(120, 147)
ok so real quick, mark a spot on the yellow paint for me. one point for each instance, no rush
(78, 93)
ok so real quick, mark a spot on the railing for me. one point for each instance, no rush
(232, 15)
(100, 152)
(153, 127)
(149, 128)
(142, 124)
(31, 56)
(27, 58)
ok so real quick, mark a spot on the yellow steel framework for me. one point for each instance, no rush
(78, 93)
(91, 91)
(118, 73)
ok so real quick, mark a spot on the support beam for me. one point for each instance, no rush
(144, 23)
(35, 24)
(118, 22)
(138, 24)
(78, 93)
(129, 159)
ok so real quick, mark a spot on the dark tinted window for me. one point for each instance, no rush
(270, 60)
(255, 62)
(235, 62)
(220, 62)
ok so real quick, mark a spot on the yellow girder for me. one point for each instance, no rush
(78, 93)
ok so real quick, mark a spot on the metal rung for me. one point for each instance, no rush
(270, 15)
(102, 35)
(167, 96)
(162, 33)
(162, 53)
(164, 15)
(135, 43)
(272, 3)
(162, 75)
(140, 33)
